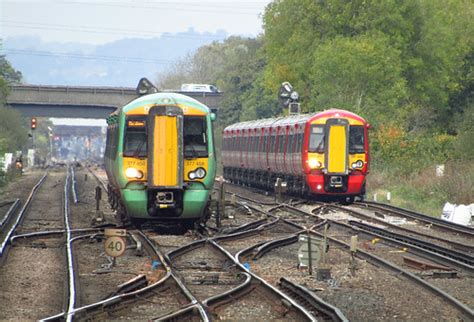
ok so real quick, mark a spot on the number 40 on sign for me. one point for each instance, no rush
(115, 243)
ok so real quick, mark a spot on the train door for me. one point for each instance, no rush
(165, 153)
(337, 146)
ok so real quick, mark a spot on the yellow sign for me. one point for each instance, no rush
(115, 246)
(109, 232)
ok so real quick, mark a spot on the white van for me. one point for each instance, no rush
(206, 88)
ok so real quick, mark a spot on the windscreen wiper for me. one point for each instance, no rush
(136, 153)
(194, 153)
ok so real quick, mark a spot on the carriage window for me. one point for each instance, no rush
(356, 139)
(135, 141)
(290, 145)
(281, 143)
(316, 139)
(195, 137)
(300, 142)
(271, 148)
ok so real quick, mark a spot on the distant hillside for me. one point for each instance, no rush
(119, 63)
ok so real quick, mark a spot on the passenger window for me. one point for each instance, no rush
(282, 143)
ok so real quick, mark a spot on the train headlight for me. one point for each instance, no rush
(199, 173)
(133, 173)
(358, 164)
(314, 164)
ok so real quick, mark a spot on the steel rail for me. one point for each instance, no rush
(246, 226)
(425, 251)
(459, 256)
(378, 261)
(261, 249)
(454, 244)
(202, 311)
(249, 232)
(74, 186)
(9, 213)
(313, 300)
(53, 232)
(273, 203)
(304, 295)
(70, 259)
(213, 241)
(267, 285)
(181, 314)
(219, 298)
(102, 183)
(120, 297)
(443, 224)
(20, 215)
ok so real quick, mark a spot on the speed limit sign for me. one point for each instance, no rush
(115, 246)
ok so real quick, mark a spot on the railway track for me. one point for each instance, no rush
(12, 218)
(432, 286)
(431, 221)
(397, 221)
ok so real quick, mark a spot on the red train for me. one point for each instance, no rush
(320, 154)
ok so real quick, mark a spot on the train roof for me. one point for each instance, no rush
(165, 98)
(335, 113)
(293, 119)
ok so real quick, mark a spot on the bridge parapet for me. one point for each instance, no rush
(82, 101)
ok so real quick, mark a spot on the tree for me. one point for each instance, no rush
(232, 65)
(12, 132)
(362, 74)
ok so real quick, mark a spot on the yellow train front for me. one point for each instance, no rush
(160, 159)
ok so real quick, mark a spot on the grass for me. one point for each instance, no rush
(424, 191)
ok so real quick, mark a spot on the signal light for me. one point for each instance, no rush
(33, 123)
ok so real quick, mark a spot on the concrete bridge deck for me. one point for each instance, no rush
(82, 102)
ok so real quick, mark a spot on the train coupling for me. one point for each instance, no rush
(165, 197)
(336, 181)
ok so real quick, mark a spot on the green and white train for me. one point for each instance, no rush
(160, 159)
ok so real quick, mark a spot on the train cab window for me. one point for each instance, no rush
(316, 139)
(135, 141)
(356, 139)
(195, 137)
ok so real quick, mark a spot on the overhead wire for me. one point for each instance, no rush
(88, 57)
(105, 30)
(181, 7)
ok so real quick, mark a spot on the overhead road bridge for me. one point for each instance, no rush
(82, 101)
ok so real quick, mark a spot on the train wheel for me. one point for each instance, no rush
(189, 224)
(347, 200)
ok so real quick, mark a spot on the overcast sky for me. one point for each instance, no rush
(101, 21)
